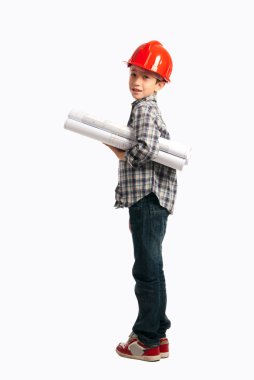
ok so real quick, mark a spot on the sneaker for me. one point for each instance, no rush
(164, 347)
(134, 349)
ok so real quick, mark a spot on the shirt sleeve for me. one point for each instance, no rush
(147, 136)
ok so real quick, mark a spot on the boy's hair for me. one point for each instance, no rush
(158, 77)
(159, 80)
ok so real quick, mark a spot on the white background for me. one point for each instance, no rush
(66, 288)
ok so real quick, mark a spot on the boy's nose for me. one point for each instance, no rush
(137, 80)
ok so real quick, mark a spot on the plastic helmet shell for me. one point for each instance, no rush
(154, 57)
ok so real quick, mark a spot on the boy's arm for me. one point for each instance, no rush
(147, 136)
(118, 152)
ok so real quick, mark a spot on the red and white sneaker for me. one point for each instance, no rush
(134, 349)
(164, 347)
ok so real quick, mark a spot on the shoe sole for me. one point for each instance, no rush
(164, 355)
(155, 358)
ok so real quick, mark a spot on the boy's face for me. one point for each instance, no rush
(142, 83)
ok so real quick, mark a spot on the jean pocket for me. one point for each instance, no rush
(159, 220)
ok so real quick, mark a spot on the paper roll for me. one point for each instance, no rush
(167, 146)
(103, 136)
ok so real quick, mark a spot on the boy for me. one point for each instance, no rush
(148, 189)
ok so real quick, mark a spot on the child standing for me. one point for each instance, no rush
(148, 189)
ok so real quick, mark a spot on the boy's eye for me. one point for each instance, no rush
(133, 74)
(146, 77)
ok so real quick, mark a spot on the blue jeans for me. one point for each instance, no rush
(148, 222)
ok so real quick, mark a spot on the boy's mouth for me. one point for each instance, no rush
(136, 90)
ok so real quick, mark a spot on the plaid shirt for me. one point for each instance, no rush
(138, 175)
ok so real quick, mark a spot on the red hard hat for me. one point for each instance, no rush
(154, 57)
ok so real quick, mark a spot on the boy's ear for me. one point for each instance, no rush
(160, 85)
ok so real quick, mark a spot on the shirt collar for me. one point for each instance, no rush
(150, 97)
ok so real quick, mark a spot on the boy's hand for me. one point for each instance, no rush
(118, 152)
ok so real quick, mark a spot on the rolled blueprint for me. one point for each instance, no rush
(119, 142)
(167, 146)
